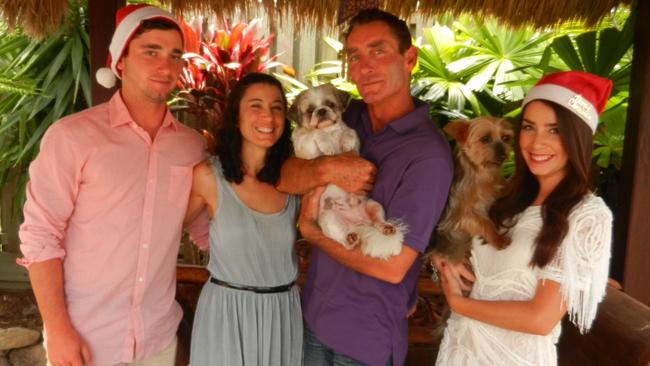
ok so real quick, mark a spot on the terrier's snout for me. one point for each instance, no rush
(500, 153)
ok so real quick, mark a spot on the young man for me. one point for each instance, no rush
(356, 307)
(105, 206)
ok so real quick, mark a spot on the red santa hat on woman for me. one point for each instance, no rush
(127, 22)
(580, 92)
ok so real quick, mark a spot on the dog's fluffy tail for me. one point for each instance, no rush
(375, 243)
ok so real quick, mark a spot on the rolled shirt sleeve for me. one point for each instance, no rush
(51, 192)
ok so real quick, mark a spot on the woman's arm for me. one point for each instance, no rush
(538, 315)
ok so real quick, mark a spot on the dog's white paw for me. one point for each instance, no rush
(376, 244)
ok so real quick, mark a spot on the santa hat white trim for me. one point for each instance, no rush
(566, 98)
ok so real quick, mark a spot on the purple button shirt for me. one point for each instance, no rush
(357, 315)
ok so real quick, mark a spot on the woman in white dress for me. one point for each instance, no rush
(560, 235)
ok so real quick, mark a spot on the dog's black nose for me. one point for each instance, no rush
(500, 152)
(322, 112)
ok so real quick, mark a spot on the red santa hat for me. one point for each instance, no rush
(127, 22)
(580, 92)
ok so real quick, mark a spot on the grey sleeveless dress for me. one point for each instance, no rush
(237, 327)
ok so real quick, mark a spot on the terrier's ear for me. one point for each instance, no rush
(293, 114)
(458, 129)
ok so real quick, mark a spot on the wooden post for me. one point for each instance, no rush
(632, 224)
(101, 24)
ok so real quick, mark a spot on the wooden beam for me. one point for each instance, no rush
(101, 24)
(632, 223)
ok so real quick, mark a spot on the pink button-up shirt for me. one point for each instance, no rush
(110, 202)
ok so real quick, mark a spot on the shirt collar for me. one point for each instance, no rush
(411, 119)
(119, 114)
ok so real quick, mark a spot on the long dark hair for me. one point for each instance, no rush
(229, 138)
(523, 186)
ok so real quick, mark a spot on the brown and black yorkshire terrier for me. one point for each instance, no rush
(482, 145)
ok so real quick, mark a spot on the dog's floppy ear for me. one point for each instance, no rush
(458, 129)
(293, 114)
(343, 97)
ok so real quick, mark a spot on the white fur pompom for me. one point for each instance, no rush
(105, 77)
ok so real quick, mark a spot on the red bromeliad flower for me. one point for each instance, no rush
(214, 62)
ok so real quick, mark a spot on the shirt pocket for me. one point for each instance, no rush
(180, 183)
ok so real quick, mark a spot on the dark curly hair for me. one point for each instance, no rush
(229, 138)
(398, 27)
(523, 187)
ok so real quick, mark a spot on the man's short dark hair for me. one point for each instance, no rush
(399, 27)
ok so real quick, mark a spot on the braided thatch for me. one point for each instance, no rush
(39, 17)
(536, 13)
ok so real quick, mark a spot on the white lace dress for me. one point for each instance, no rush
(580, 266)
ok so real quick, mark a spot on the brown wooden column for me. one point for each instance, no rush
(101, 24)
(632, 223)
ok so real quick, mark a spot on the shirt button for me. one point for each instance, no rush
(140, 279)
(145, 246)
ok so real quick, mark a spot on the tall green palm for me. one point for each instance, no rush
(498, 56)
(433, 80)
(40, 82)
(605, 52)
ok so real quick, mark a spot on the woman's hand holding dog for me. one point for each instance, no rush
(452, 285)
(457, 273)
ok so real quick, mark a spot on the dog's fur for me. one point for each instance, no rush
(347, 218)
(482, 145)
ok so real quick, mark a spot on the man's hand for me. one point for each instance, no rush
(457, 271)
(350, 172)
(308, 219)
(65, 347)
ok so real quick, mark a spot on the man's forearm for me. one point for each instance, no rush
(392, 270)
(47, 282)
(299, 176)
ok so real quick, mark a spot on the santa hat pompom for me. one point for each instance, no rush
(105, 77)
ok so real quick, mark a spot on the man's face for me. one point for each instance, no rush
(375, 63)
(152, 65)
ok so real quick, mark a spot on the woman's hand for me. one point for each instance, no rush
(451, 286)
(458, 271)
(308, 220)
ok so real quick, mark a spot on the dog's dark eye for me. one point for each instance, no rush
(486, 139)
(310, 110)
(505, 138)
(330, 104)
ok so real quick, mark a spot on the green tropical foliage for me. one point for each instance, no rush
(40, 82)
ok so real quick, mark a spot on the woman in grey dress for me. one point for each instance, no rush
(249, 312)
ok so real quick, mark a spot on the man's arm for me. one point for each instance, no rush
(392, 270)
(51, 193)
(64, 344)
(348, 171)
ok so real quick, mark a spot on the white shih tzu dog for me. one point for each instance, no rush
(347, 218)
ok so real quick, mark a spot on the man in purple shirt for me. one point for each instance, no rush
(356, 307)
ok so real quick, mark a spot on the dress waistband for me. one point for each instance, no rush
(257, 290)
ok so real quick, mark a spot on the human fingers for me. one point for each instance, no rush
(465, 273)
(86, 355)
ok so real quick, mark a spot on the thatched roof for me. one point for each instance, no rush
(39, 17)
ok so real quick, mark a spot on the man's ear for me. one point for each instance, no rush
(411, 57)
